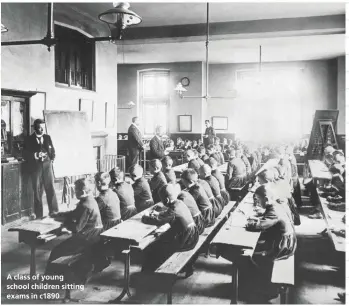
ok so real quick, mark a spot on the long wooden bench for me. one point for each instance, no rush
(283, 275)
(179, 260)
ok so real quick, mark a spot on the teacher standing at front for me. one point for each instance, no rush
(210, 133)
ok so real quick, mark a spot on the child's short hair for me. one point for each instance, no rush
(136, 170)
(201, 149)
(84, 184)
(168, 193)
(212, 162)
(206, 169)
(210, 147)
(189, 175)
(102, 180)
(116, 174)
(155, 164)
(167, 161)
(265, 192)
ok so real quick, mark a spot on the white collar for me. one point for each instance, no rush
(38, 136)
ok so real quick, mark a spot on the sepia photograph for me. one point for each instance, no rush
(173, 152)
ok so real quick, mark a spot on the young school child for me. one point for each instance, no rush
(277, 241)
(179, 143)
(188, 200)
(141, 188)
(183, 235)
(200, 143)
(239, 154)
(158, 179)
(236, 171)
(202, 153)
(220, 178)
(125, 193)
(86, 225)
(211, 151)
(206, 175)
(192, 162)
(108, 201)
(328, 155)
(170, 175)
(195, 144)
(197, 158)
(294, 176)
(189, 179)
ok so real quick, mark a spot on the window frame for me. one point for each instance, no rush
(156, 100)
(73, 45)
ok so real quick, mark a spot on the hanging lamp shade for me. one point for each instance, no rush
(119, 18)
(180, 88)
(3, 29)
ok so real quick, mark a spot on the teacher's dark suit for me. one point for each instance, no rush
(156, 148)
(211, 133)
(41, 171)
(135, 144)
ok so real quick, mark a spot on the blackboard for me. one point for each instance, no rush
(71, 138)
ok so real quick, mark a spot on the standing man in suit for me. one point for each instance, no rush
(210, 134)
(135, 144)
(157, 150)
(39, 153)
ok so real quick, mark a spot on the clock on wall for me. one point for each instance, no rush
(185, 82)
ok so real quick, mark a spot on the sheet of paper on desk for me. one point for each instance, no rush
(130, 230)
(41, 226)
(236, 236)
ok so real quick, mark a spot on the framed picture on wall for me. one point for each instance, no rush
(86, 105)
(220, 123)
(110, 115)
(185, 123)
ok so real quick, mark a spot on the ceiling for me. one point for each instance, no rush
(223, 50)
(164, 14)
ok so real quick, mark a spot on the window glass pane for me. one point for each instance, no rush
(162, 86)
(149, 118)
(149, 86)
(162, 117)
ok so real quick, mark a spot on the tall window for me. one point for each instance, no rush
(74, 59)
(155, 99)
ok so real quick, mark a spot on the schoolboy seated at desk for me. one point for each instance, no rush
(202, 153)
(239, 153)
(107, 200)
(195, 144)
(218, 150)
(125, 193)
(220, 178)
(328, 156)
(85, 223)
(294, 176)
(189, 180)
(206, 175)
(183, 234)
(197, 158)
(158, 179)
(211, 152)
(141, 188)
(192, 162)
(277, 241)
(188, 200)
(170, 175)
(236, 171)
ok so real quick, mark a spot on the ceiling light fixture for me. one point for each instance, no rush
(117, 19)
(206, 96)
(129, 104)
(180, 89)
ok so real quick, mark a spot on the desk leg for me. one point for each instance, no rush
(235, 283)
(32, 260)
(126, 289)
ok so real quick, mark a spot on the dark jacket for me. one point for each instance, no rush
(134, 138)
(182, 225)
(156, 148)
(142, 193)
(32, 146)
(236, 173)
(211, 134)
(156, 182)
(109, 207)
(127, 200)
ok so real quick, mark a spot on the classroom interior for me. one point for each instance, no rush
(264, 75)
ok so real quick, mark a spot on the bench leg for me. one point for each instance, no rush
(283, 295)
(235, 283)
(32, 260)
(169, 296)
(126, 289)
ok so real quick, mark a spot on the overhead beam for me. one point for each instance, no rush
(283, 27)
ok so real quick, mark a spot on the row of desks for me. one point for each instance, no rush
(137, 234)
(181, 168)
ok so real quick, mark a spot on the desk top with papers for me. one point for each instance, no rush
(319, 170)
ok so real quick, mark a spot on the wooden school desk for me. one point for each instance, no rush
(319, 170)
(35, 233)
(133, 233)
(241, 242)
